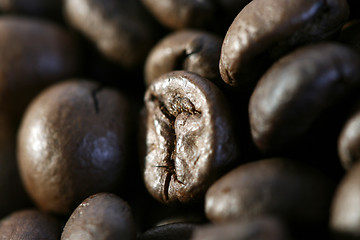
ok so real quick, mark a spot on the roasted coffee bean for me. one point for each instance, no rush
(190, 50)
(263, 31)
(292, 191)
(297, 90)
(41, 8)
(103, 216)
(262, 228)
(179, 14)
(175, 231)
(345, 209)
(189, 138)
(34, 53)
(29, 224)
(121, 30)
(73, 143)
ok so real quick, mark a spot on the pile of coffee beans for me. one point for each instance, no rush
(180, 119)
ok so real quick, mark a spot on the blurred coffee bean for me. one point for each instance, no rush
(29, 224)
(175, 231)
(34, 53)
(345, 210)
(262, 228)
(264, 31)
(73, 143)
(121, 30)
(189, 138)
(40, 8)
(190, 50)
(349, 140)
(297, 90)
(296, 193)
(102, 216)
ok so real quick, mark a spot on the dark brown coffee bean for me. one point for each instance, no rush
(102, 216)
(263, 228)
(34, 54)
(297, 90)
(345, 209)
(175, 231)
(72, 143)
(283, 188)
(190, 50)
(268, 30)
(179, 14)
(121, 30)
(29, 225)
(41, 8)
(189, 137)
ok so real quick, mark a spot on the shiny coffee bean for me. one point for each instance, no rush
(292, 191)
(266, 30)
(180, 14)
(189, 137)
(297, 90)
(175, 231)
(345, 209)
(29, 225)
(190, 50)
(121, 30)
(73, 143)
(262, 228)
(34, 53)
(102, 216)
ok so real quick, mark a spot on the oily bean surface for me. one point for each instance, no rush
(121, 30)
(280, 187)
(174, 231)
(29, 224)
(189, 137)
(190, 50)
(73, 143)
(103, 216)
(267, 30)
(297, 89)
(345, 211)
(27, 66)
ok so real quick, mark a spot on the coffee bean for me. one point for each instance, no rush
(102, 216)
(350, 34)
(29, 224)
(262, 228)
(263, 31)
(121, 30)
(297, 90)
(34, 54)
(179, 14)
(345, 211)
(72, 143)
(190, 50)
(292, 191)
(175, 231)
(189, 137)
